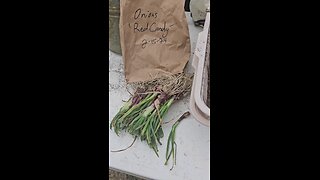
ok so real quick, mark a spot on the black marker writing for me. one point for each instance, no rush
(139, 14)
(153, 41)
(162, 29)
(153, 27)
(136, 27)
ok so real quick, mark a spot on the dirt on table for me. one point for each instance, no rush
(114, 175)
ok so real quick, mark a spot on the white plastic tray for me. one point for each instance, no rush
(198, 108)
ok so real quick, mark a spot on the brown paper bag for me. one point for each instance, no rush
(154, 38)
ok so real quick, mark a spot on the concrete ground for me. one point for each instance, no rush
(114, 175)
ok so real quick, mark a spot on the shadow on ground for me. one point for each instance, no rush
(114, 175)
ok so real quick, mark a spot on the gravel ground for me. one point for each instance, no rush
(114, 175)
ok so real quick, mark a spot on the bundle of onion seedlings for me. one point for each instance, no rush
(142, 115)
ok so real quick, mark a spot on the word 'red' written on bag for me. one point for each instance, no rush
(150, 26)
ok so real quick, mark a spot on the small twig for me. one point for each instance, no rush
(167, 121)
(129, 91)
(125, 100)
(184, 115)
(127, 147)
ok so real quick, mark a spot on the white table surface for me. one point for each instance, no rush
(192, 138)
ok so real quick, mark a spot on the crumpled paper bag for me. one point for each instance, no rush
(154, 38)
